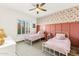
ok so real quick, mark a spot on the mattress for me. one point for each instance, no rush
(33, 37)
(62, 46)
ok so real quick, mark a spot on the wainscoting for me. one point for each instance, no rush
(70, 29)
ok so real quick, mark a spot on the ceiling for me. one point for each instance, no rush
(24, 8)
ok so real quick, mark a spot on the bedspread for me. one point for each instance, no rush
(62, 46)
(34, 37)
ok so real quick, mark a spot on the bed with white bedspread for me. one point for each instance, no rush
(33, 37)
(59, 43)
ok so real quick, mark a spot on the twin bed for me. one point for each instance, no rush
(59, 43)
(33, 37)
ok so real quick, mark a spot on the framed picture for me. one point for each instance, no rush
(33, 25)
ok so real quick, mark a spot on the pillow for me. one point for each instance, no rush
(60, 36)
(40, 32)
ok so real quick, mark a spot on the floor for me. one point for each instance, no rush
(24, 49)
(74, 51)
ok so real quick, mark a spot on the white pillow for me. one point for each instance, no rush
(60, 36)
(40, 32)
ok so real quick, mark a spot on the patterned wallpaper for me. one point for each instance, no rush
(66, 15)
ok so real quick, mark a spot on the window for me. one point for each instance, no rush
(22, 27)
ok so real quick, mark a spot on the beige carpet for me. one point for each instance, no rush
(24, 49)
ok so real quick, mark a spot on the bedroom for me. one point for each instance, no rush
(30, 28)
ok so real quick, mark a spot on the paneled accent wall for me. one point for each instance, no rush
(58, 28)
(74, 33)
(66, 28)
(53, 29)
(64, 21)
(70, 29)
(63, 16)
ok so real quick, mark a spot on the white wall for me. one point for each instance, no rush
(8, 20)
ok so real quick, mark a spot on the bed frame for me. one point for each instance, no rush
(48, 50)
(30, 41)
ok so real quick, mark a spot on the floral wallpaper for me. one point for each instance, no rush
(66, 15)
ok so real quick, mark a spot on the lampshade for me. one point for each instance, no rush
(2, 36)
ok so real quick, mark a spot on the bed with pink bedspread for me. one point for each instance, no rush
(59, 44)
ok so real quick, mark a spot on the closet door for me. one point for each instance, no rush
(37, 28)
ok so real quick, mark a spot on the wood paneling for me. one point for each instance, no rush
(48, 28)
(58, 28)
(74, 34)
(65, 29)
(53, 29)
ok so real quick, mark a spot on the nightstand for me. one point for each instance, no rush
(49, 36)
